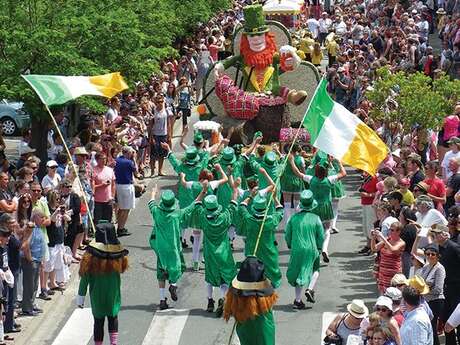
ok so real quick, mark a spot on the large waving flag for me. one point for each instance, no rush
(340, 133)
(54, 89)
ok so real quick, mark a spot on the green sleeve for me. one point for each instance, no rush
(288, 234)
(84, 281)
(278, 215)
(232, 61)
(205, 160)
(319, 235)
(174, 163)
(151, 206)
(254, 164)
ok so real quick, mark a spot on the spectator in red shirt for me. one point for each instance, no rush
(367, 191)
(437, 189)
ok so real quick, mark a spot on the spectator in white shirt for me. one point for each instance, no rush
(313, 25)
(454, 146)
(113, 111)
(325, 24)
(51, 179)
(340, 26)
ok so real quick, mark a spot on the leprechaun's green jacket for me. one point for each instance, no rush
(258, 331)
(266, 251)
(165, 241)
(304, 235)
(191, 172)
(220, 267)
(104, 291)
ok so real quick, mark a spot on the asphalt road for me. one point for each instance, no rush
(348, 276)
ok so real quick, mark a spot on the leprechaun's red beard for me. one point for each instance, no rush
(261, 59)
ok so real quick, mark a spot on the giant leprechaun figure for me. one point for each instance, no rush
(260, 91)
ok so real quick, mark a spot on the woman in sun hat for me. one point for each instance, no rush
(396, 297)
(321, 186)
(214, 221)
(100, 268)
(251, 223)
(165, 241)
(304, 235)
(250, 300)
(346, 324)
(384, 307)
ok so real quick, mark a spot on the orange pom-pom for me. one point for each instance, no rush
(201, 109)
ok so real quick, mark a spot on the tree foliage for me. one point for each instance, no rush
(80, 37)
(413, 99)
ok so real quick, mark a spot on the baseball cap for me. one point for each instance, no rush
(52, 163)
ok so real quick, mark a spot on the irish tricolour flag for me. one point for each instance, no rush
(340, 133)
(54, 89)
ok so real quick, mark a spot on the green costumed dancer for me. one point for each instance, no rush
(220, 267)
(291, 184)
(100, 268)
(191, 166)
(250, 300)
(196, 187)
(233, 168)
(338, 192)
(165, 241)
(304, 236)
(321, 186)
(251, 224)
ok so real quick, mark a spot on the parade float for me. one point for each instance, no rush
(284, 11)
(264, 86)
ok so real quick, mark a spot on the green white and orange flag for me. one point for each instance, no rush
(54, 89)
(340, 133)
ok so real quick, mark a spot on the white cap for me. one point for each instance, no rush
(394, 293)
(51, 163)
(384, 301)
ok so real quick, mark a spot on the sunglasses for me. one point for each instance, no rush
(395, 230)
(36, 190)
(431, 254)
(382, 309)
(52, 167)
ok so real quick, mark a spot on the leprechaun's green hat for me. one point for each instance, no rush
(198, 138)
(211, 206)
(307, 202)
(228, 156)
(168, 201)
(259, 205)
(254, 20)
(191, 156)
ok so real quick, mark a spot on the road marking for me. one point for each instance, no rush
(328, 317)
(78, 326)
(166, 327)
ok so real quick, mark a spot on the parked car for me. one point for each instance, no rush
(13, 118)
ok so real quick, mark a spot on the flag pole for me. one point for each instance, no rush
(90, 217)
(284, 167)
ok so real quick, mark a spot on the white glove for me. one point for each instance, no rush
(80, 301)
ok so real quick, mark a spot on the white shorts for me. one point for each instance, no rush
(126, 196)
(56, 258)
(368, 220)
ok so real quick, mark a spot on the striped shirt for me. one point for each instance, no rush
(416, 328)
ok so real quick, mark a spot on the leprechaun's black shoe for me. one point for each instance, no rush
(210, 308)
(220, 307)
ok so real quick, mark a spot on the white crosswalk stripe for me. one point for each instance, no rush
(166, 327)
(78, 329)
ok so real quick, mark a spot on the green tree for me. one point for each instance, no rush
(417, 98)
(80, 37)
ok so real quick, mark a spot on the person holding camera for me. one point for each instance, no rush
(346, 324)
